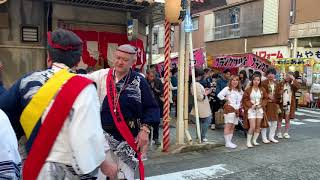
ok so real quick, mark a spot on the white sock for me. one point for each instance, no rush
(226, 138)
(264, 133)
(230, 137)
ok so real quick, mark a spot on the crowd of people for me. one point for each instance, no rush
(258, 100)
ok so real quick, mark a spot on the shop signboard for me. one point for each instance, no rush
(308, 53)
(245, 60)
(272, 52)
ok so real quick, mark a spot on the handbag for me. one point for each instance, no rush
(219, 118)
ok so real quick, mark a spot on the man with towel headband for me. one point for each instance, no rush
(128, 108)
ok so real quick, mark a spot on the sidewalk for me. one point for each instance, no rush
(215, 138)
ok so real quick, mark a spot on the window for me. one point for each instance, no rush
(155, 39)
(29, 33)
(227, 23)
(195, 23)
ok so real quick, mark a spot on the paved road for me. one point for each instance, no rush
(296, 158)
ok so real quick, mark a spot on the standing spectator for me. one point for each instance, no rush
(272, 109)
(153, 68)
(250, 74)
(244, 80)
(203, 105)
(299, 92)
(207, 79)
(157, 91)
(223, 81)
(288, 88)
(232, 94)
(214, 102)
(174, 83)
(254, 100)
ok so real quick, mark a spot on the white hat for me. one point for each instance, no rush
(127, 48)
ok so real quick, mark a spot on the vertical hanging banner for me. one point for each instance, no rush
(309, 75)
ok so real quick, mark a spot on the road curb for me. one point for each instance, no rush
(180, 149)
(196, 147)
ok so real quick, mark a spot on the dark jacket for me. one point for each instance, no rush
(221, 83)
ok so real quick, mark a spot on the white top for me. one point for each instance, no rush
(272, 86)
(99, 77)
(234, 97)
(8, 142)
(287, 94)
(255, 97)
(81, 141)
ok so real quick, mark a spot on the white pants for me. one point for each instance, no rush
(125, 172)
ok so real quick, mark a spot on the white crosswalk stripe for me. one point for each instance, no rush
(214, 171)
(309, 111)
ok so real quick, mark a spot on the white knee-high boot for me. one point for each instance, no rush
(249, 137)
(254, 140)
(226, 139)
(264, 136)
(229, 144)
(273, 128)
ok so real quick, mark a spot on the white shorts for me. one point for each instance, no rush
(231, 118)
(255, 113)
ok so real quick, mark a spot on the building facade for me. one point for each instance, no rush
(256, 26)
(24, 25)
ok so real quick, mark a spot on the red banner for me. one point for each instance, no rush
(244, 60)
(103, 39)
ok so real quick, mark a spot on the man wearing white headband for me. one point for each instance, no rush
(127, 110)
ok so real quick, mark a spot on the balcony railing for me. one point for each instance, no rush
(227, 31)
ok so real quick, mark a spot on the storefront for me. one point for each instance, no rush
(102, 29)
(307, 67)
(309, 70)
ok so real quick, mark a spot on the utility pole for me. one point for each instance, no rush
(180, 100)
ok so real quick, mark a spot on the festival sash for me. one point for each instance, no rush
(72, 86)
(41, 100)
(119, 120)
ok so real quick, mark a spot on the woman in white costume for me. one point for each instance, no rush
(232, 94)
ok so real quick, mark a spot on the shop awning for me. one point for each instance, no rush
(198, 56)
